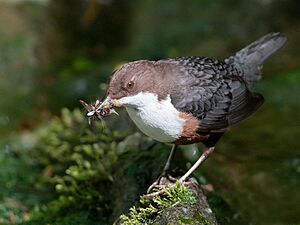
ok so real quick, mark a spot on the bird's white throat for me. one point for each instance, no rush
(159, 120)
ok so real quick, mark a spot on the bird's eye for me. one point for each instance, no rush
(130, 84)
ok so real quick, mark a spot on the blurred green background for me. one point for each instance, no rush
(55, 52)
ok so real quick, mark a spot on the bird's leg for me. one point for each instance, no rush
(206, 153)
(166, 168)
(170, 157)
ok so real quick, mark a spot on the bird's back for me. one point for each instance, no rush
(214, 92)
(217, 92)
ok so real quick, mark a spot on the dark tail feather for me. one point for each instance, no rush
(251, 58)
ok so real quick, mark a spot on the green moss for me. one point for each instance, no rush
(149, 210)
(77, 161)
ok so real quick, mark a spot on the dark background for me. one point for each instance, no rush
(55, 52)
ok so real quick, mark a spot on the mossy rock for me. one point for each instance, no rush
(185, 213)
(175, 205)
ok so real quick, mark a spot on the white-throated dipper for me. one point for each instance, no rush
(186, 100)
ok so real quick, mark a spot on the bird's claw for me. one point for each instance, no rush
(161, 182)
(165, 182)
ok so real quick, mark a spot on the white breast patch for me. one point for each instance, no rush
(157, 119)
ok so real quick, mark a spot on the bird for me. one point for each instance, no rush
(191, 99)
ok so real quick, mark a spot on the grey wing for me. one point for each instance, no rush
(218, 102)
(230, 104)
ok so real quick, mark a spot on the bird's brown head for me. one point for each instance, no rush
(131, 79)
(133, 82)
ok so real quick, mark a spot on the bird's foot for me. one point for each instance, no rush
(163, 180)
(164, 183)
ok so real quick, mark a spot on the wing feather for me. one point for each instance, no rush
(220, 97)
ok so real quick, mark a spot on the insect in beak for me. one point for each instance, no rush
(99, 109)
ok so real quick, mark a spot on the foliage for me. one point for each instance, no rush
(18, 190)
(77, 160)
(72, 218)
